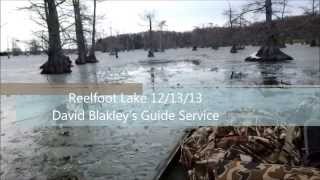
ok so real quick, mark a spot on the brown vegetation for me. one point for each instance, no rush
(300, 29)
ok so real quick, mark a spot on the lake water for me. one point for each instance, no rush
(135, 152)
(177, 66)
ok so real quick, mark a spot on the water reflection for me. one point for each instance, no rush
(152, 76)
(84, 75)
(124, 152)
(270, 73)
(57, 79)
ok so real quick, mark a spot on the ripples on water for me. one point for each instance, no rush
(125, 152)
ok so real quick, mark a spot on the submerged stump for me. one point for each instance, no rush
(269, 53)
(313, 43)
(215, 47)
(92, 59)
(150, 53)
(234, 49)
(241, 47)
(81, 61)
(57, 64)
(194, 48)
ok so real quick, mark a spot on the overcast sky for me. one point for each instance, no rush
(124, 16)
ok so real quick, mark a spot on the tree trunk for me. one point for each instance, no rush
(268, 12)
(283, 9)
(92, 56)
(79, 33)
(313, 7)
(161, 48)
(234, 46)
(313, 42)
(270, 51)
(150, 53)
(57, 62)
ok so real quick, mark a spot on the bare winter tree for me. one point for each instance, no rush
(39, 9)
(232, 18)
(161, 25)
(66, 23)
(54, 34)
(57, 62)
(34, 47)
(82, 52)
(270, 50)
(92, 56)
(284, 8)
(149, 17)
(311, 10)
(231, 15)
(242, 22)
(313, 7)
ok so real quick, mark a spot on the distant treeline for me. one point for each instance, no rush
(304, 29)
